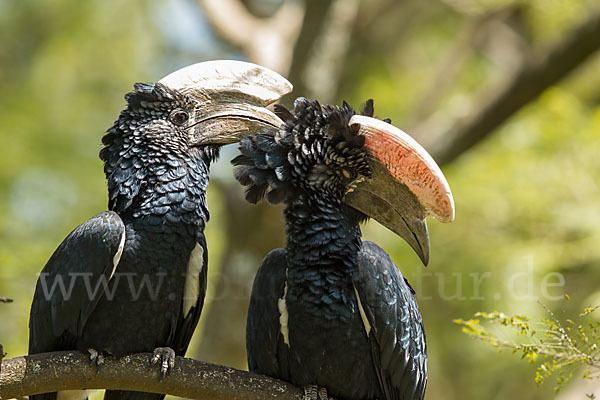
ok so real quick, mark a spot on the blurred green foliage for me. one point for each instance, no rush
(526, 216)
(527, 223)
(562, 344)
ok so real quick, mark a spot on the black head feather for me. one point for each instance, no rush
(316, 152)
(368, 108)
(147, 151)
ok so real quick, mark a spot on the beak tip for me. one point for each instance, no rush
(424, 258)
(422, 247)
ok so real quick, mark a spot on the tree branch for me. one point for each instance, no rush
(473, 34)
(314, 20)
(2, 355)
(322, 71)
(528, 83)
(239, 262)
(50, 372)
(265, 41)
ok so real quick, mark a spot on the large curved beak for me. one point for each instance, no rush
(406, 185)
(231, 99)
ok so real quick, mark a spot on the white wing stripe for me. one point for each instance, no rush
(191, 290)
(363, 316)
(283, 315)
(118, 254)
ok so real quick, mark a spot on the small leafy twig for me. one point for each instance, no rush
(562, 343)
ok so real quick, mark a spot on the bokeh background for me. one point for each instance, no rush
(504, 93)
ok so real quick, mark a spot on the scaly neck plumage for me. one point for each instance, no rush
(321, 235)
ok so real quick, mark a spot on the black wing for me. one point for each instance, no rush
(397, 336)
(64, 295)
(186, 325)
(267, 352)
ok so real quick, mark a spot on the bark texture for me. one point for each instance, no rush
(49, 372)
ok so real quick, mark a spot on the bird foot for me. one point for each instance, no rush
(167, 357)
(313, 392)
(96, 358)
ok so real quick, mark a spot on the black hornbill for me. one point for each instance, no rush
(330, 311)
(133, 279)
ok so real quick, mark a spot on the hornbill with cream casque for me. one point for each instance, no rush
(133, 279)
(329, 312)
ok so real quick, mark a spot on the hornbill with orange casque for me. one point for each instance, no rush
(330, 312)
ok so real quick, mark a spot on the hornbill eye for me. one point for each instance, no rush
(179, 117)
(349, 173)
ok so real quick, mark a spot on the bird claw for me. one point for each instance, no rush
(167, 357)
(310, 392)
(323, 394)
(314, 392)
(96, 358)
